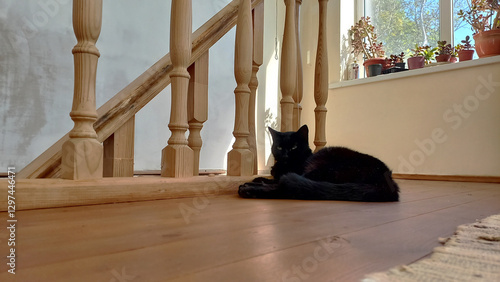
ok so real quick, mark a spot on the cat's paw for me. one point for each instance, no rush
(259, 190)
(247, 190)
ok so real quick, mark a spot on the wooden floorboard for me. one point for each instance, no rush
(226, 238)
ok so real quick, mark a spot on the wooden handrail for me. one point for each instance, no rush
(126, 103)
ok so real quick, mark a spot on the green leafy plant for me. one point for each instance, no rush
(482, 15)
(364, 39)
(457, 49)
(417, 51)
(425, 51)
(466, 44)
(429, 54)
(444, 49)
(397, 58)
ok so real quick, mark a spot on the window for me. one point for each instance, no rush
(400, 24)
(461, 28)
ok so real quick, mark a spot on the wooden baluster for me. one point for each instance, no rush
(288, 75)
(321, 79)
(298, 94)
(240, 159)
(197, 106)
(177, 157)
(82, 153)
(119, 151)
(258, 45)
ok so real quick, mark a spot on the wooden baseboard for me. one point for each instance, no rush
(158, 172)
(52, 193)
(457, 178)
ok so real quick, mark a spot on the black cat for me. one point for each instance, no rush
(332, 173)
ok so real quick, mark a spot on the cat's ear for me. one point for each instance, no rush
(304, 132)
(274, 133)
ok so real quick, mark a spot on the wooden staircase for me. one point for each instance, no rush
(79, 154)
(120, 109)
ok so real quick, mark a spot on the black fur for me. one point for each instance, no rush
(333, 173)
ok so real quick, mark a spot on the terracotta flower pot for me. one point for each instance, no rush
(487, 43)
(465, 55)
(416, 62)
(443, 58)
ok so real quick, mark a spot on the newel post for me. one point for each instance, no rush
(321, 79)
(177, 157)
(240, 160)
(82, 154)
(288, 69)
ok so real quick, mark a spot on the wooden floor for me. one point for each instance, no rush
(226, 238)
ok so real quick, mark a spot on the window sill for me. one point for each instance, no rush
(416, 72)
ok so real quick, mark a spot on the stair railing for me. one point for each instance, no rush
(80, 155)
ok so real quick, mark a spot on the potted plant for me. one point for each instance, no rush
(416, 59)
(444, 52)
(484, 18)
(454, 53)
(465, 50)
(398, 60)
(429, 53)
(364, 41)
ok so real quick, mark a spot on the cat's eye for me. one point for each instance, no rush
(294, 147)
(279, 148)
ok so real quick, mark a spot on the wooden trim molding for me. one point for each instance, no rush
(457, 178)
(54, 193)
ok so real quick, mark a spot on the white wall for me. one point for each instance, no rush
(433, 123)
(36, 75)
(415, 123)
(442, 123)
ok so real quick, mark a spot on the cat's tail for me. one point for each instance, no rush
(299, 187)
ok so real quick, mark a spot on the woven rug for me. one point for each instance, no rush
(472, 254)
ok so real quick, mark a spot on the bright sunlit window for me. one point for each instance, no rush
(400, 24)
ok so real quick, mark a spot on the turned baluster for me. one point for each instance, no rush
(240, 160)
(321, 79)
(197, 106)
(258, 44)
(177, 157)
(298, 94)
(288, 69)
(82, 154)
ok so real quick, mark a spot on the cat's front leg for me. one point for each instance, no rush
(264, 180)
(258, 190)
